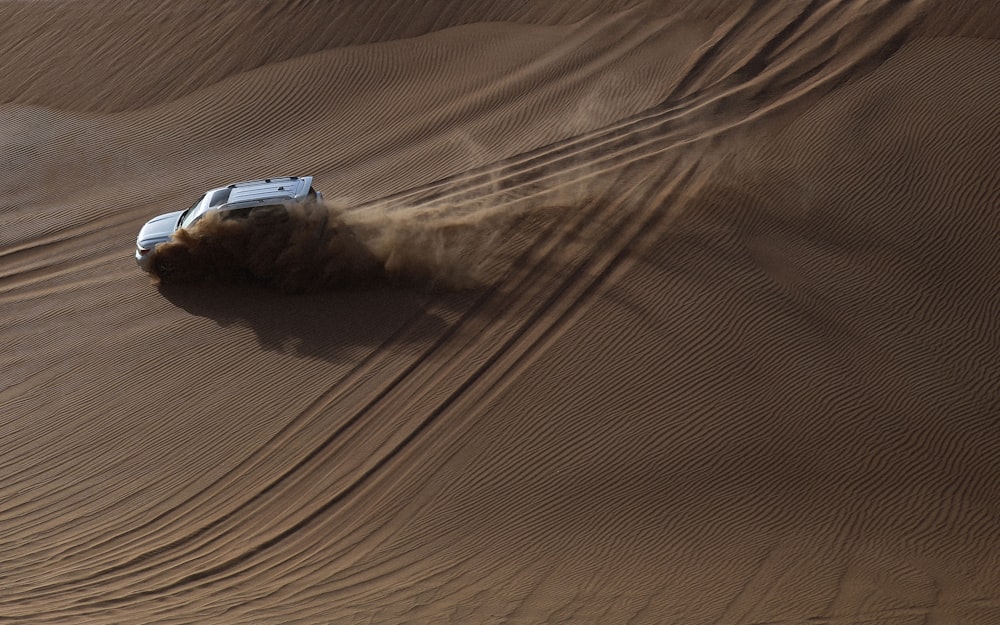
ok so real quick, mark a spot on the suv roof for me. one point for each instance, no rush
(266, 189)
(288, 186)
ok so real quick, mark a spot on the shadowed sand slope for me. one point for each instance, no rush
(616, 313)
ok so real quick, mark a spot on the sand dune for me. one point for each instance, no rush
(630, 312)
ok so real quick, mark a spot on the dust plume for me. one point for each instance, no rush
(316, 246)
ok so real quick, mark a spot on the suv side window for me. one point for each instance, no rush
(220, 197)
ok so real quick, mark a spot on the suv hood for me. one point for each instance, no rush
(158, 229)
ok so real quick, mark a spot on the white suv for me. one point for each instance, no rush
(236, 200)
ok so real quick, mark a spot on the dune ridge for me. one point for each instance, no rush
(645, 312)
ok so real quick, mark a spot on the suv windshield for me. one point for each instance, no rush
(186, 215)
(191, 215)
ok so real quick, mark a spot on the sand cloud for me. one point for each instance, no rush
(312, 247)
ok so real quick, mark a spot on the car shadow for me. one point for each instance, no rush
(329, 325)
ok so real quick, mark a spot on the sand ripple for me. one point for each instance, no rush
(618, 312)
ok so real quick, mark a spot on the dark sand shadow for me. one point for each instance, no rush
(326, 325)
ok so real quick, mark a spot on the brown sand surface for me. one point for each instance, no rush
(664, 312)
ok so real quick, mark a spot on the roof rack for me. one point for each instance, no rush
(267, 180)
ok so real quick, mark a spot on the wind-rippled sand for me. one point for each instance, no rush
(669, 312)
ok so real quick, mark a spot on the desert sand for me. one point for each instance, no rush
(650, 312)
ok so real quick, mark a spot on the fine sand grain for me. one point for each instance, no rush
(616, 312)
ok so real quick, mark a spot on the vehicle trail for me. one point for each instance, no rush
(317, 246)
